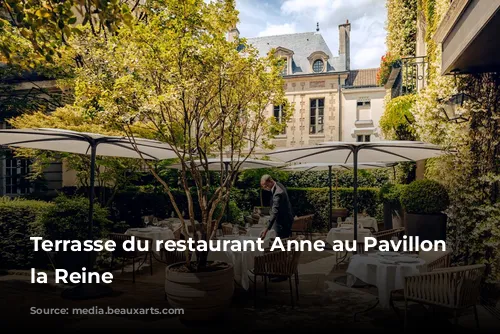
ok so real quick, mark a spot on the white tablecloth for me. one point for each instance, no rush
(256, 230)
(366, 222)
(153, 232)
(386, 277)
(241, 261)
(346, 234)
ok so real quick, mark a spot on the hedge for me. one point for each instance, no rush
(19, 220)
(316, 201)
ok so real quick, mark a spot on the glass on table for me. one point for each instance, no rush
(218, 233)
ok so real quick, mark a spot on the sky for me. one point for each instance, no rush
(276, 17)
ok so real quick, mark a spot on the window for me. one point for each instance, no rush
(279, 116)
(16, 181)
(316, 116)
(16, 172)
(363, 103)
(285, 69)
(363, 138)
(318, 66)
(363, 110)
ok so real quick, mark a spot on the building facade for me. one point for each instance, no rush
(329, 101)
(362, 106)
(26, 92)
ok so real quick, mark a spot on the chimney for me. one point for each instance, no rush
(344, 43)
(233, 34)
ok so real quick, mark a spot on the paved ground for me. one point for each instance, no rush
(323, 305)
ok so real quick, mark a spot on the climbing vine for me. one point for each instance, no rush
(472, 174)
(397, 120)
(401, 27)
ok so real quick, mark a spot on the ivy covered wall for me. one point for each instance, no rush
(472, 174)
(401, 27)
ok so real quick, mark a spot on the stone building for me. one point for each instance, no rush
(330, 102)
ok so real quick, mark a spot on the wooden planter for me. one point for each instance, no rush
(426, 227)
(203, 296)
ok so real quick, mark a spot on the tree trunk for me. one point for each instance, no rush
(202, 259)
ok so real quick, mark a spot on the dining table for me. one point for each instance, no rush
(242, 260)
(384, 270)
(155, 233)
(256, 229)
(345, 234)
(365, 221)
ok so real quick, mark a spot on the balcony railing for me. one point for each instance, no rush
(415, 74)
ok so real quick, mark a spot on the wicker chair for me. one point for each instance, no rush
(436, 260)
(455, 288)
(303, 224)
(388, 234)
(277, 264)
(119, 252)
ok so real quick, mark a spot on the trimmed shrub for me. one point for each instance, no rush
(20, 220)
(68, 220)
(425, 197)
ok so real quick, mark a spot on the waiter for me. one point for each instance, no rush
(281, 219)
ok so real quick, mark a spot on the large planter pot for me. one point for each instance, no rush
(426, 227)
(203, 296)
(339, 212)
(396, 222)
(388, 219)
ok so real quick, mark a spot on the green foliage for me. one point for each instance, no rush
(343, 178)
(20, 220)
(47, 26)
(391, 193)
(471, 174)
(396, 122)
(251, 177)
(316, 201)
(425, 197)
(68, 220)
(401, 27)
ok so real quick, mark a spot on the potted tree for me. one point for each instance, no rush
(424, 203)
(205, 95)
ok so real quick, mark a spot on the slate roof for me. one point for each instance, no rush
(362, 78)
(302, 45)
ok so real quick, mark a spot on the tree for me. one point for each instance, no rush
(176, 78)
(43, 27)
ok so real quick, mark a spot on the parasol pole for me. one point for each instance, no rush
(330, 183)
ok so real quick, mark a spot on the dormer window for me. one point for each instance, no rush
(286, 56)
(318, 61)
(318, 65)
